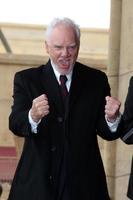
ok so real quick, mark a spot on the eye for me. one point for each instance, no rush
(58, 47)
(72, 47)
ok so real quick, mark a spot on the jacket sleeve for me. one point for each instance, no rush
(103, 129)
(18, 119)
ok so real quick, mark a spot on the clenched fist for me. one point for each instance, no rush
(40, 108)
(112, 108)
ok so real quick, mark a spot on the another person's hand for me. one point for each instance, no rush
(112, 108)
(40, 108)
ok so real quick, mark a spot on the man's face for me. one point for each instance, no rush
(63, 48)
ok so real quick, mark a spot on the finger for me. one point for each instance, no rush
(41, 107)
(41, 98)
(43, 110)
(107, 98)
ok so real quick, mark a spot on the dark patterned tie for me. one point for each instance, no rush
(63, 80)
(63, 188)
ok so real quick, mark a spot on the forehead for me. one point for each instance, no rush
(63, 34)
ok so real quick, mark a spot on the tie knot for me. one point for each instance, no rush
(63, 79)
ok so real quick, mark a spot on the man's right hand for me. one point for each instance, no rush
(40, 108)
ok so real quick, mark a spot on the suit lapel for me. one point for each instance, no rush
(51, 86)
(76, 85)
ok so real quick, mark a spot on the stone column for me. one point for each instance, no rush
(113, 73)
(114, 46)
(124, 152)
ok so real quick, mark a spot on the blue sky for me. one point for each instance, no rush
(86, 13)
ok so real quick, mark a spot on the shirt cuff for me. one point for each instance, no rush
(113, 125)
(33, 124)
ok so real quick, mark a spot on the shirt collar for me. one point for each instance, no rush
(57, 74)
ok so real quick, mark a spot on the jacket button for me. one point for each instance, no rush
(50, 179)
(59, 119)
(53, 148)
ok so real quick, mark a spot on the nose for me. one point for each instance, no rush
(65, 51)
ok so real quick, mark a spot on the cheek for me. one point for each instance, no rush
(53, 53)
(75, 56)
(55, 56)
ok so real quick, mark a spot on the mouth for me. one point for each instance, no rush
(65, 63)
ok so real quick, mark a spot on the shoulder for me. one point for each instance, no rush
(31, 75)
(90, 72)
(131, 81)
(30, 71)
(130, 86)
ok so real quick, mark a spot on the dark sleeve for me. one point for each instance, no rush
(127, 120)
(102, 127)
(130, 185)
(18, 119)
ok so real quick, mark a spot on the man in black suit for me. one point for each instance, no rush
(128, 130)
(1, 189)
(61, 158)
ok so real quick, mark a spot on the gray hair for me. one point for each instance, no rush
(65, 21)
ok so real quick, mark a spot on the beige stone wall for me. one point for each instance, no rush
(124, 152)
(29, 40)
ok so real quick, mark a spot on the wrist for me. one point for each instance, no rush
(33, 117)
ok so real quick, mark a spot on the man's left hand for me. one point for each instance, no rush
(112, 108)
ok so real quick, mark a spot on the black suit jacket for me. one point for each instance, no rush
(127, 130)
(36, 177)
